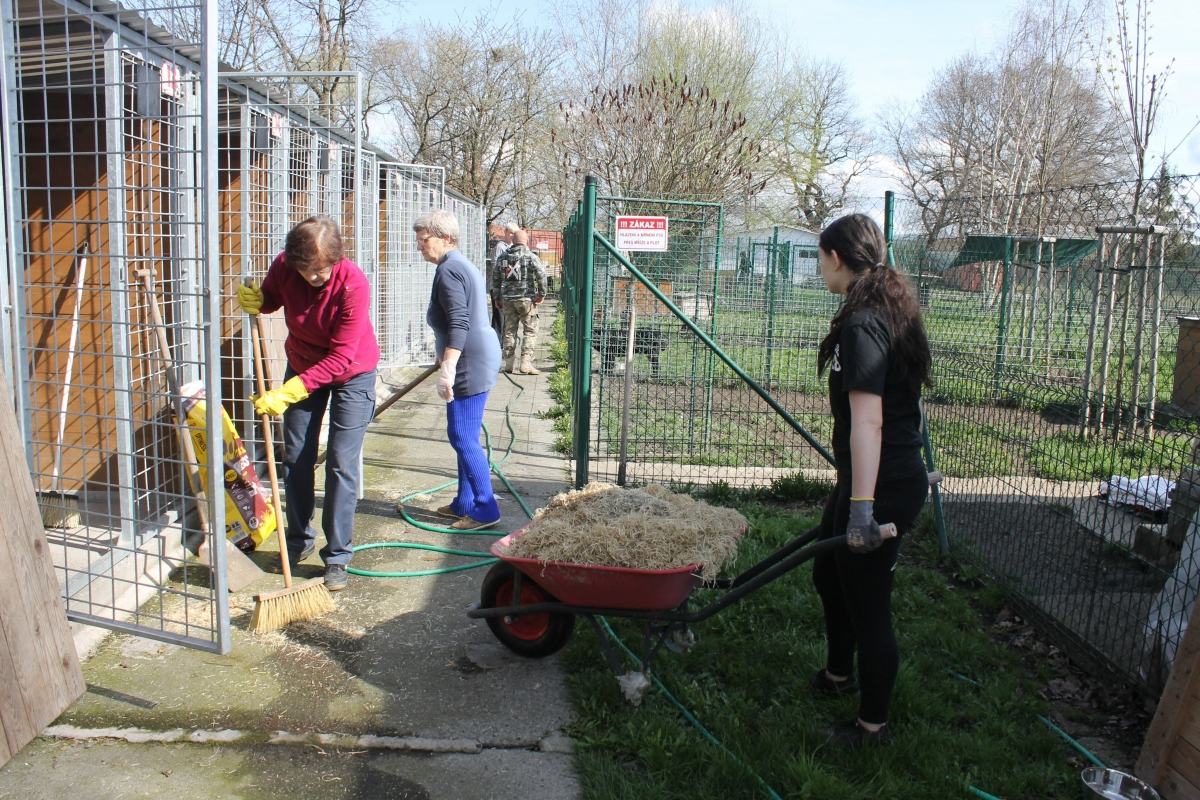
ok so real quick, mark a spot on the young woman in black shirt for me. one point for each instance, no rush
(878, 359)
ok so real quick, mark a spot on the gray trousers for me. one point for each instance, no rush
(351, 406)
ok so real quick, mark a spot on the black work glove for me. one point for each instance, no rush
(862, 531)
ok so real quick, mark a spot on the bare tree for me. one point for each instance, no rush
(471, 97)
(1009, 125)
(660, 99)
(1136, 90)
(292, 36)
(769, 119)
(667, 138)
(817, 145)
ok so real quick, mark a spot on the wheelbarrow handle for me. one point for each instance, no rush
(771, 560)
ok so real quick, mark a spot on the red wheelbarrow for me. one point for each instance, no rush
(531, 606)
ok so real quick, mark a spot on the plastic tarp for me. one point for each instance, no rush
(1064, 252)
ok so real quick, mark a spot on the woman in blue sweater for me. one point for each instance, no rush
(468, 354)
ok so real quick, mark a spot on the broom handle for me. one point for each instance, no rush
(80, 277)
(191, 464)
(256, 336)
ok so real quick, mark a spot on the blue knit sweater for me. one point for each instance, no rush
(458, 314)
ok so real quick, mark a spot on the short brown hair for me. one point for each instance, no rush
(316, 241)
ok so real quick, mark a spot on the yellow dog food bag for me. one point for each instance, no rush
(249, 515)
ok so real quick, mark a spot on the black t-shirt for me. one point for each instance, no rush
(864, 361)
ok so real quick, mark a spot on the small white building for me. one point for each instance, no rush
(795, 251)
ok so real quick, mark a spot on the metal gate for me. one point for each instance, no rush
(110, 143)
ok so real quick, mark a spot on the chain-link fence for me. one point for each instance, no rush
(1066, 345)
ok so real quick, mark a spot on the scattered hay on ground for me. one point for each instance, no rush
(650, 528)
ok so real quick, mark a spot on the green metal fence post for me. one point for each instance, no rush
(889, 222)
(712, 360)
(1002, 328)
(889, 215)
(772, 268)
(583, 355)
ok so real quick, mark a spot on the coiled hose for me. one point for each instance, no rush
(487, 557)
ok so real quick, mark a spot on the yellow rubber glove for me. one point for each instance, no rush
(276, 401)
(250, 298)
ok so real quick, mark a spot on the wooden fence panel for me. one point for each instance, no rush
(39, 669)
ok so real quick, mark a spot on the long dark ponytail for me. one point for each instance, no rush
(859, 243)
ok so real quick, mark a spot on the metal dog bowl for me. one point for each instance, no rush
(1108, 784)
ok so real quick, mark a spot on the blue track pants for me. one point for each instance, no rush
(464, 420)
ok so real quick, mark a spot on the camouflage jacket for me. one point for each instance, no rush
(518, 275)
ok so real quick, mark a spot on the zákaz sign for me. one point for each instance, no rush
(642, 234)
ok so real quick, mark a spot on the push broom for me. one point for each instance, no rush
(308, 600)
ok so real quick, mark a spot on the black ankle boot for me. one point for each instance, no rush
(823, 683)
(850, 735)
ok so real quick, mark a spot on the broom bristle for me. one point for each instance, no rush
(307, 601)
(59, 510)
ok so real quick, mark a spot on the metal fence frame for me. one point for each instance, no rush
(123, 208)
(1025, 429)
(201, 187)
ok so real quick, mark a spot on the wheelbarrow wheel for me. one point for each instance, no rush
(529, 635)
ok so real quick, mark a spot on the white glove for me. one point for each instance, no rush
(445, 382)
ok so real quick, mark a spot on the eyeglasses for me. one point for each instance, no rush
(422, 239)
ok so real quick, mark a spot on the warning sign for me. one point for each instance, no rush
(642, 234)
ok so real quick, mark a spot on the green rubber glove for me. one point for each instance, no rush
(276, 401)
(250, 298)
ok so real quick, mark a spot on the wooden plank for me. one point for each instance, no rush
(1175, 787)
(34, 578)
(1185, 759)
(1176, 696)
(1189, 724)
(38, 667)
(16, 726)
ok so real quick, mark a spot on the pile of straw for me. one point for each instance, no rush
(651, 528)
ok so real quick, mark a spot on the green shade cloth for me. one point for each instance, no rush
(978, 249)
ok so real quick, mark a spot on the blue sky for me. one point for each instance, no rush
(891, 48)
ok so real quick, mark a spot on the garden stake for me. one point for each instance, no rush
(273, 610)
(61, 510)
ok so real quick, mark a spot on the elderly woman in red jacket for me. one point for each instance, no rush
(331, 354)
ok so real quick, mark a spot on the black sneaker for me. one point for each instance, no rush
(823, 683)
(293, 562)
(335, 577)
(850, 735)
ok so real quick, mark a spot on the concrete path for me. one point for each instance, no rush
(452, 713)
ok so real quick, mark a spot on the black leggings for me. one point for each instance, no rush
(856, 590)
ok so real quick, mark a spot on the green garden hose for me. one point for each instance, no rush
(487, 557)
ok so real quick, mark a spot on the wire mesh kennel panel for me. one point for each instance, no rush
(408, 190)
(472, 228)
(111, 132)
(286, 154)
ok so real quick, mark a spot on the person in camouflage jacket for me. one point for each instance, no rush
(519, 287)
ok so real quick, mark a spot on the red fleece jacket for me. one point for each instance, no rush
(330, 336)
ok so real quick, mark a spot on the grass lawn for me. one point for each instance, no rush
(747, 682)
